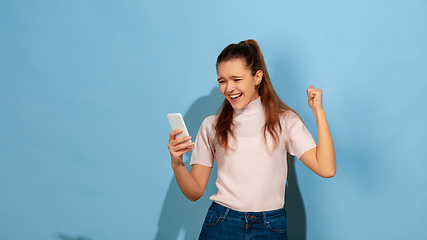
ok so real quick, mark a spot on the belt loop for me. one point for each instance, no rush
(264, 215)
(225, 214)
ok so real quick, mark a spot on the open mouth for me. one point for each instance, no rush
(235, 97)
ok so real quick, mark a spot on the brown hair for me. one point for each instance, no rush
(250, 52)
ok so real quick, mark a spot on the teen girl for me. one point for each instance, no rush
(249, 138)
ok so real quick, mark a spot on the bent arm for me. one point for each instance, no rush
(321, 160)
(193, 183)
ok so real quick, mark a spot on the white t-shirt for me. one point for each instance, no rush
(251, 176)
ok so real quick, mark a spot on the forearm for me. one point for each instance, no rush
(186, 182)
(325, 153)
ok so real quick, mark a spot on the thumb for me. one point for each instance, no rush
(311, 86)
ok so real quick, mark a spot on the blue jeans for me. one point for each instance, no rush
(224, 223)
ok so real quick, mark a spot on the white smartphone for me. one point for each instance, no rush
(177, 122)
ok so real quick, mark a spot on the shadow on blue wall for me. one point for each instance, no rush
(183, 219)
(63, 236)
(294, 205)
(178, 213)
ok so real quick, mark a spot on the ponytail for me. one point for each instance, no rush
(250, 52)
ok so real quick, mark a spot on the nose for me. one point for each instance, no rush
(230, 87)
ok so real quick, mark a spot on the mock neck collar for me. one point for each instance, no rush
(252, 108)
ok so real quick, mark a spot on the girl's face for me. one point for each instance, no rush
(237, 83)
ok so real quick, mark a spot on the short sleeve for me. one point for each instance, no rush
(299, 138)
(204, 147)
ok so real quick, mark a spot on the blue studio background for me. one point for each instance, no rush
(85, 87)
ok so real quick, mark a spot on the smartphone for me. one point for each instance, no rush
(177, 122)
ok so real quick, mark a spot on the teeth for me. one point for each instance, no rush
(235, 96)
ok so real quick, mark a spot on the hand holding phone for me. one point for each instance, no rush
(175, 148)
(177, 122)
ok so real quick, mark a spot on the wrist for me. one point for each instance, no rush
(176, 165)
(318, 112)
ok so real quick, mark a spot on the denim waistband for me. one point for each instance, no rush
(246, 216)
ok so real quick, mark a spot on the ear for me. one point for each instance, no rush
(258, 77)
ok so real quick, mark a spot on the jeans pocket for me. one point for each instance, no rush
(211, 219)
(278, 224)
